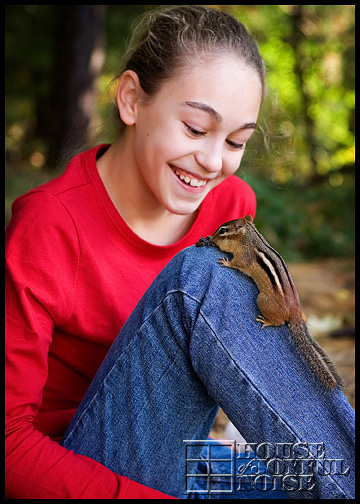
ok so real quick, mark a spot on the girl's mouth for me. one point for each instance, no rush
(188, 179)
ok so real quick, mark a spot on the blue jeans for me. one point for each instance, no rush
(191, 345)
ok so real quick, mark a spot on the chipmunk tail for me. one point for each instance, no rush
(316, 357)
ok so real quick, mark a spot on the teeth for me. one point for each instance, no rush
(191, 181)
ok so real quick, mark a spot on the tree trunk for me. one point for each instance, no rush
(297, 38)
(79, 56)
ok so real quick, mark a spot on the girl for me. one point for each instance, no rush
(107, 246)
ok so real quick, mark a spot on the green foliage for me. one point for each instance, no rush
(308, 116)
(29, 41)
(303, 222)
(300, 161)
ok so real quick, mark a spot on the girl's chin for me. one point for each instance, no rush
(180, 206)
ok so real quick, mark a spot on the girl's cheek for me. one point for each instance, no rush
(230, 166)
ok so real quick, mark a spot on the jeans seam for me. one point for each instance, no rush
(255, 388)
(245, 375)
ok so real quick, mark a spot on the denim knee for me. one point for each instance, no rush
(196, 272)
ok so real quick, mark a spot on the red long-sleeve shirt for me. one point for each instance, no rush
(74, 273)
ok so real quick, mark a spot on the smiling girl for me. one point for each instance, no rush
(122, 338)
(176, 148)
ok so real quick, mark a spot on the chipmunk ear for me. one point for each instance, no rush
(248, 218)
(240, 223)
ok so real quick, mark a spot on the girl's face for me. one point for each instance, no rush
(192, 135)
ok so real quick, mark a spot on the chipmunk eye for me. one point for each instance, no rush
(222, 230)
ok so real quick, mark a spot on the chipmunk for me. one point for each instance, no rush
(278, 300)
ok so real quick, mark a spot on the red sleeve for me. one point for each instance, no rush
(41, 266)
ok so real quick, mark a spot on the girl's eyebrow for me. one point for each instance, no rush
(213, 114)
(206, 108)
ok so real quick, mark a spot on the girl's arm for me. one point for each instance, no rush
(41, 265)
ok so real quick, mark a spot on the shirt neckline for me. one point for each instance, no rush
(127, 233)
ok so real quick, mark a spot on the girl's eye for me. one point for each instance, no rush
(194, 132)
(236, 145)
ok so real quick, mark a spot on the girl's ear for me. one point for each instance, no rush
(128, 94)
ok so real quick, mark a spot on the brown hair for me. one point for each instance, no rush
(167, 40)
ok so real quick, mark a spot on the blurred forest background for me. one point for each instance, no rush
(60, 59)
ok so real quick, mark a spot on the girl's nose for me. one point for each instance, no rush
(210, 157)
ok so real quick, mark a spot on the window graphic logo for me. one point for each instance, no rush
(230, 467)
(206, 464)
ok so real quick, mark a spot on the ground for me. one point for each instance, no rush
(327, 292)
